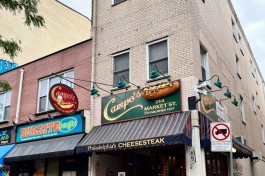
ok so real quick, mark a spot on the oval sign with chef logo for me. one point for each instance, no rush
(63, 99)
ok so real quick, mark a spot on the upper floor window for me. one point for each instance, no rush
(238, 66)
(204, 64)
(242, 110)
(5, 101)
(158, 56)
(234, 29)
(240, 43)
(263, 134)
(120, 67)
(114, 2)
(254, 103)
(45, 85)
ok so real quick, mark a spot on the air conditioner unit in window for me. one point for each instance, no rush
(242, 140)
(257, 155)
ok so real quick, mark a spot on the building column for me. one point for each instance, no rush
(198, 168)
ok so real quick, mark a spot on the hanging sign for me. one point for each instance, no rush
(221, 137)
(52, 128)
(63, 99)
(131, 105)
(5, 136)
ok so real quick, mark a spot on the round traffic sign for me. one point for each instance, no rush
(220, 132)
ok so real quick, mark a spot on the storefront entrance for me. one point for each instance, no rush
(168, 161)
(216, 164)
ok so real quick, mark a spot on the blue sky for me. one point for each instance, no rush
(251, 14)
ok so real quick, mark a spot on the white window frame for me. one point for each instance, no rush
(148, 60)
(5, 105)
(205, 61)
(117, 54)
(242, 110)
(48, 85)
(238, 69)
(234, 29)
(254, 103)
(263, 134)
(240, 42)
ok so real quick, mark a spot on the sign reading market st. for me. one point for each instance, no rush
(63, 99)
(133, 104)
(48, 129)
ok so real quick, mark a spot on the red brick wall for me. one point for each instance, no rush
(77, 57)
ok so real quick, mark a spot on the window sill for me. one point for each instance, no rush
(117, 3)
(45, 112)
(158, 78)
(116, 88)
(4, 121)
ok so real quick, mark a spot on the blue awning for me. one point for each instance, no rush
(4, 149)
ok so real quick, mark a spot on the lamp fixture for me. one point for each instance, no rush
(138, 87)
(234, 102)
(94, 91)
(30, 119)
(156, 73)
(121, 84)
(217, 83)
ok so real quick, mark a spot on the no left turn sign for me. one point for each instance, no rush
(220, 132)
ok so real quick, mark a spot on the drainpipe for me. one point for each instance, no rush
(19, 94)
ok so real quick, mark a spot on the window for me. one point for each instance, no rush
(263, 134)
(254, 104)
(242, 110)
(158, 56)
(114, 2)
(204, 64)
(234, 29)
(46, 84)
(5, 101)
(120, 67)
(238, 66)
(240, 44)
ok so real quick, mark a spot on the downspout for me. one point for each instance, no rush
(19, 94)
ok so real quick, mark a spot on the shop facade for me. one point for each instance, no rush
(5, 146)
(140, 136)
(47, 147)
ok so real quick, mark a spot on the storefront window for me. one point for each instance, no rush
(53, 167)
(216, 164)
(39, 167)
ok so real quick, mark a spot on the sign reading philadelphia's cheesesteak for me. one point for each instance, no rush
(52, 128)
(131, 105)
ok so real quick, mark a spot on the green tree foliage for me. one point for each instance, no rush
(29, 7)
(11, 47)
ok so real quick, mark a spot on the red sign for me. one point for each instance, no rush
(221, 132)
(63, 99)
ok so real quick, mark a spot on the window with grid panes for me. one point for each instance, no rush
(120, 67)
(45, 85)
(5, 101)
(158, 56)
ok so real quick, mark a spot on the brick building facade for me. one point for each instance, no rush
(33, 81)
(202, 39)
